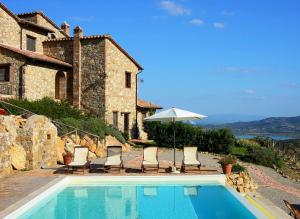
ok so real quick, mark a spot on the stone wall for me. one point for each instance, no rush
(9, 30)
(42, 21)
(117, 97)
(62, 50)
(38, 35)
(27, 144)
(39, 82)
(93, 76)
(142, 135)
(15, 61)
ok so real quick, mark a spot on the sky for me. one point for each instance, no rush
(207, 56)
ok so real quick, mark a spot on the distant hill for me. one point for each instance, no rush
(288, 126)
(228, 118)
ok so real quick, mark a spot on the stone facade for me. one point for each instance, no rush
(141, 114)
(93, 76)
(15, 62)
(118, 98)
(44, 86)
(9, 29)
(39, 36)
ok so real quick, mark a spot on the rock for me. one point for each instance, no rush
(110, 140)
(76, 139)
(18, 157)
(92, 147)
(240, 189)
(92, 156)
(69, 146)
(60, 147)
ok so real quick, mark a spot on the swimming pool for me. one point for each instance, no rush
(138, 197)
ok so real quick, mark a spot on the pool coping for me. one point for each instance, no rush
(26, 203)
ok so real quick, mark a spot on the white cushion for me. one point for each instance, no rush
(77, 163)
(113, 160)
(191, 162)
(150, 162)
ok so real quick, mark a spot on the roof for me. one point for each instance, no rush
(18, 18)
(148, 105)
(29, 14)
(35, 55)
(28, 23)
(9, 12)
(103, 36)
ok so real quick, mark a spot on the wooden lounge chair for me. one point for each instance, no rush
(150, 158)
(294, 209)
(190, 158)
(114, 158)
(80, 159)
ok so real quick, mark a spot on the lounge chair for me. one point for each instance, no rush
(190, 158)
(294, 209)
(150, 158)
(114, 158)
(80, 158)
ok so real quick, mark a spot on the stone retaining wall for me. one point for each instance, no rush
(27, 144)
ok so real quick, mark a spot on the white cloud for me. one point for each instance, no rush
(196, 22)
(219, 25)
(174, 8)
(250, 91)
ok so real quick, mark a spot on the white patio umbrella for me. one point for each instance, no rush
(173, 115)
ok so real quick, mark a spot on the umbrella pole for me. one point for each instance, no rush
(174, 142)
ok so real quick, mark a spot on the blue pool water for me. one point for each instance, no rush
(157, 202)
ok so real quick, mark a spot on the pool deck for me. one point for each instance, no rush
(22, 184)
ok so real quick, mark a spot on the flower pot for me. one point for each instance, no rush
(68, 158)
(227, 168)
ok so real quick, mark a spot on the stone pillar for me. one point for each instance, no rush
(66, 28)
(78, 33)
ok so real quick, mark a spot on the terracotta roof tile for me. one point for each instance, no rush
(24, 15)
(35, 55)
(28, 23)
(106, 36)
(145, 104)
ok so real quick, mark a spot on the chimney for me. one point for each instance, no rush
(65, 27)
(78, 33)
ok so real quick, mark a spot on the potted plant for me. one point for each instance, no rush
(68, 158)
(227, 163)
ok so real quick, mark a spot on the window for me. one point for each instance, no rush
(126, 122)
(31, 43)
(115, 120)
(4, 73)
(127, 79)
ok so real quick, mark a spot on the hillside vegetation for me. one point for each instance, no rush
(289, 126)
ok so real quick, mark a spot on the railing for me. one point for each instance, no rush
(58, 124)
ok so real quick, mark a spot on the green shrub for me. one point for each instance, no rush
(46, 107)
(264, 141)
(216, 141)
(228, 159)
(264, 156)
(238, 168)
(247, 143)
(238, 151)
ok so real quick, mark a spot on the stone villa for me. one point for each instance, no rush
(40, 59)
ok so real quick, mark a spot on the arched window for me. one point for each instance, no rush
(60, 86)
